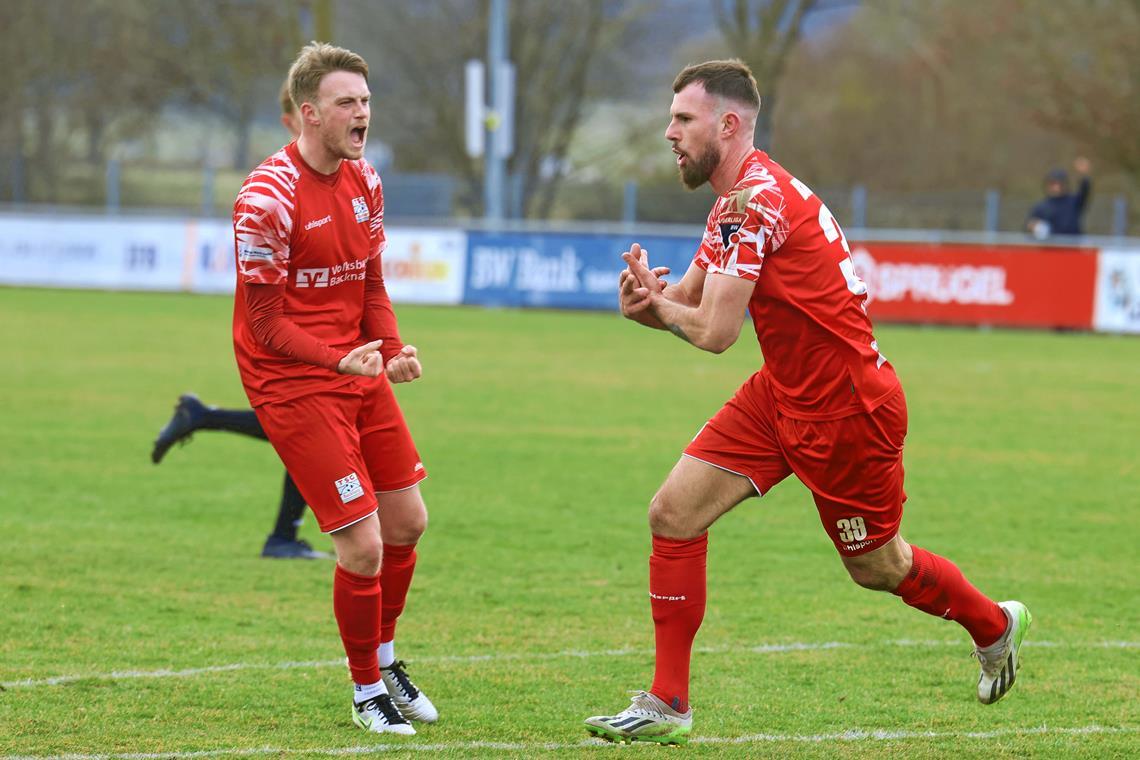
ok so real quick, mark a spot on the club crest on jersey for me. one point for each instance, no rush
(730, 223)
(360, 208)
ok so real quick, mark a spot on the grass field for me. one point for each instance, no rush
(137, 617)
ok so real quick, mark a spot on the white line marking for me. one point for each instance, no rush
(854, 735)
(797, 646)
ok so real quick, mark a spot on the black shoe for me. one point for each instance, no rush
(277, 547)
(187, 417)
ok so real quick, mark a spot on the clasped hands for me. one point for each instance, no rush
(638, 284)
(366, 361)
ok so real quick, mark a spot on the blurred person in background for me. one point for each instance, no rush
(826, 406)
(191, 415)
(1060, 212)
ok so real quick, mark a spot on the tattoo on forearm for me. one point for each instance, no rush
(676, 330)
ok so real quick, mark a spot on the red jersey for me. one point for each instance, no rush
(315, 235)
(809, 307)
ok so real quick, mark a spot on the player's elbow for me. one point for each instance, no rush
(717, 341)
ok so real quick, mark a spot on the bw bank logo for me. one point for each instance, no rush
(313, 278)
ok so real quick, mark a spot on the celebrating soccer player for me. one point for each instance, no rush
(826, 405)
(317, 346)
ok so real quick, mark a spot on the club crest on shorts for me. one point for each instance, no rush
(349, 488)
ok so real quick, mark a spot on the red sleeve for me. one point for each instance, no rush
(265, 310)
(379, 321)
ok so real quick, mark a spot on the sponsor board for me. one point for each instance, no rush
(83, 252)
(559, 270)
(420, 266)
(425, 265)
(1031, 286)
(1118, 291)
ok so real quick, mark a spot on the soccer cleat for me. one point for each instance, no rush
(277, 547)
(412, 703)
(1000, 659)
(379, 715)
(187, 417)
(647, 719)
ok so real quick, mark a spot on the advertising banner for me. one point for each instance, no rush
(560, 270)
(1030, 286)
(1118, 291)
(420, 265)
(89, 252)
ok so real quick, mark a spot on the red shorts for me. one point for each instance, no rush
(852, 465)
(342, 446)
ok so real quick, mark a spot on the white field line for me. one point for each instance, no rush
(854, 735)
(798, 646)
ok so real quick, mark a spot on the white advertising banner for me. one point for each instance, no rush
(420, 265)
(425, 265)
(89, 252)
(1117, 291)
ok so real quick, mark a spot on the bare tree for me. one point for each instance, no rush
(420, 50)
(763, 33)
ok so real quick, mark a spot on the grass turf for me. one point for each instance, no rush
(545, 435)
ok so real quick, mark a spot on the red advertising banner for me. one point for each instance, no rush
(947, 283)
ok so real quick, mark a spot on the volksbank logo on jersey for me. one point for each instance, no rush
(324, 277)
(349, 488)
(360, 208)
(313, 278)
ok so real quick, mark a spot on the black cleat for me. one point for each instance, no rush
(284, 548)
(187, 418)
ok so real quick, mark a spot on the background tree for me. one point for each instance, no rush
(763, 33)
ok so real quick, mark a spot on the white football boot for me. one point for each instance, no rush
(412, 703)
(379, 715)
(1000, 659)
(647, 719)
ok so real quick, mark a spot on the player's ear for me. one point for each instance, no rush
(729, 124)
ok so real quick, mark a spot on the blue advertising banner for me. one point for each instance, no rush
(560, 270)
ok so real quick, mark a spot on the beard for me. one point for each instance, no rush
(698, 169)
(339, 146)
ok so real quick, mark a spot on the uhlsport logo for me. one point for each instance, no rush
(349, 487)
(360, 208)
(319, 222)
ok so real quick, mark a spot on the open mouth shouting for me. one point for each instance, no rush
(357, 137)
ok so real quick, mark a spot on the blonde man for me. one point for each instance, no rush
(317, 347)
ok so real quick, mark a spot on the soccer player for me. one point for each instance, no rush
(826, 405)
(317, 345)
(191, 415)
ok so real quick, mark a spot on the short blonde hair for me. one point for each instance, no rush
(315, 61)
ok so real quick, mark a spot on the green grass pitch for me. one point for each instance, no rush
(137, 617)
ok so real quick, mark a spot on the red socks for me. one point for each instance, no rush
(356, 604)
(677, 597)
(936, 586)
(396, 570)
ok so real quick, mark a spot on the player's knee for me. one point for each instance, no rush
(873, 578)
(407, 530)
(667, 517)
(360, 552)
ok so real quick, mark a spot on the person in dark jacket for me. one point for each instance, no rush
(1060, 212)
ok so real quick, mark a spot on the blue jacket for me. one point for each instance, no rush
(1063, 212)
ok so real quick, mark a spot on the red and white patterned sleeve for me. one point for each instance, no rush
(376, 208)
(263, 223)
(745, 226)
